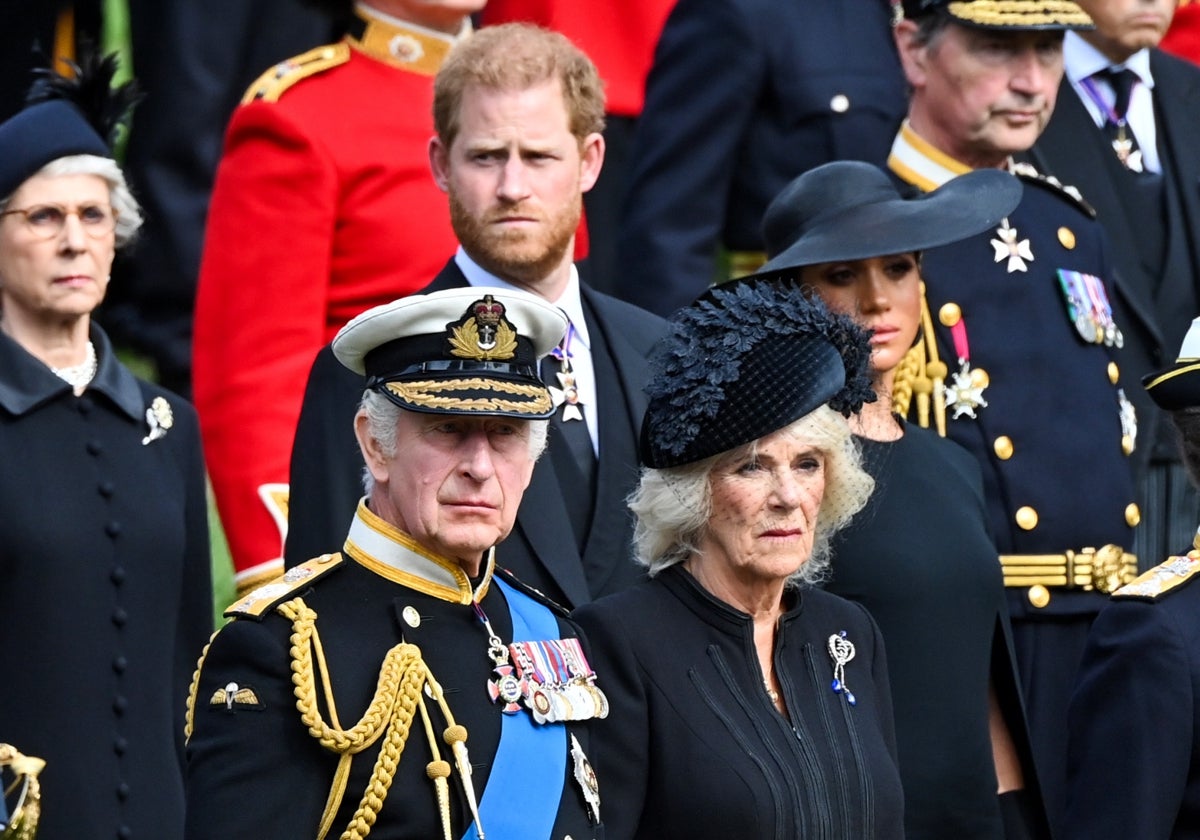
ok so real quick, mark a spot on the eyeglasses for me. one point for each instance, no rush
(46, 221)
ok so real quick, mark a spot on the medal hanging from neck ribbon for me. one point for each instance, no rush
(567, 392)
(1116, 126)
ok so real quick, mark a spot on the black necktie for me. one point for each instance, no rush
(1116, 127)
(574, 459)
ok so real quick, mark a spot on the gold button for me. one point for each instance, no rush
(411, 617)
(840, 103)
(1003, 447)
(1127, 445)
(949, 314)
(1114, 373)
(326, 558)
(1133, 515)
(1067, 237)
(1027, 518)
(979, 378)
(1039, 596)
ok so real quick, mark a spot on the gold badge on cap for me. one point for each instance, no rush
(483, 333)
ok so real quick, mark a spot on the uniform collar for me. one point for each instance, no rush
(916, 161)
(400, 43)
(27, 382)
(391, 553)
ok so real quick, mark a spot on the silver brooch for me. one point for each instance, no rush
(841, 651)
(159, 418)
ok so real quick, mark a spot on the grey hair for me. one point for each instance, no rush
(129, 212)
(383, 416)
(673, 506)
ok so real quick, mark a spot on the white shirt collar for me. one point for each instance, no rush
(1081, 60)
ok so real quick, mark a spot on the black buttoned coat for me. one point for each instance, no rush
(105, 593)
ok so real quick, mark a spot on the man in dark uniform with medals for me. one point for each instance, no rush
(1021, 339)
(406, 684)
(1124, 131)
(1135, 714)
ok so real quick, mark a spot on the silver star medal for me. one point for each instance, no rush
(965, 391)
(1007, 247)
(1128, 416)
(568, 394)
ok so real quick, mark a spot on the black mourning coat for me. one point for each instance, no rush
(105, 593)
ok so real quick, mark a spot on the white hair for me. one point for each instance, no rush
(673, 506)
(383, 416)
(129, 213)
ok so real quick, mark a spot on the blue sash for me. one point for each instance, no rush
(526, 781)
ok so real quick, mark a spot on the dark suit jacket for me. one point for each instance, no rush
(743, 96)
(541, 550)
(1077, 153)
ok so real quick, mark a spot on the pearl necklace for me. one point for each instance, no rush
(78, 376)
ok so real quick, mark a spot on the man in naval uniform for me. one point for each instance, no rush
(1024, 376)
(322, 207)
(1124, 132)
(407, 684)
(1134, 757)
(515, 191)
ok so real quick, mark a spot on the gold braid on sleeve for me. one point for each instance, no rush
(398, 695)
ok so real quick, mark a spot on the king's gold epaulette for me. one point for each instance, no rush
(1163, 578)
(1029, 174)
(262, 600)
(271, 85)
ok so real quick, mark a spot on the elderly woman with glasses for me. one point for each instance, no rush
(105, 596)
(745, 702)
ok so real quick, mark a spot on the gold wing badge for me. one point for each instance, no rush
(241, 696)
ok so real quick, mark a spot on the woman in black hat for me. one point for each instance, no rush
(746, 703)
(919, 556)
(105, 597)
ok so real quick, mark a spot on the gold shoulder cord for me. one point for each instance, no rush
(398, 694)
(923, 373)
(23, 822)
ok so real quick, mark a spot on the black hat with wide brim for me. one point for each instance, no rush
(472, 351)
(1005, 15)
(1178, 386)
(849, 210)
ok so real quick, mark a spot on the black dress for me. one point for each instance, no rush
(105, 593)
(693, 746)
(919, 557)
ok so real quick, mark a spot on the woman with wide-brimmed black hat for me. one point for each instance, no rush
(919, 556)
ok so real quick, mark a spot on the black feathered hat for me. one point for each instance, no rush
(64, 115)
(746, 360)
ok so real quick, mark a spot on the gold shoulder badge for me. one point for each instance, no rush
(1029, 174)
(159, 418)
(1164, 578)
(242, 696)
(483, 333)
(272, 84)
(262, 600)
